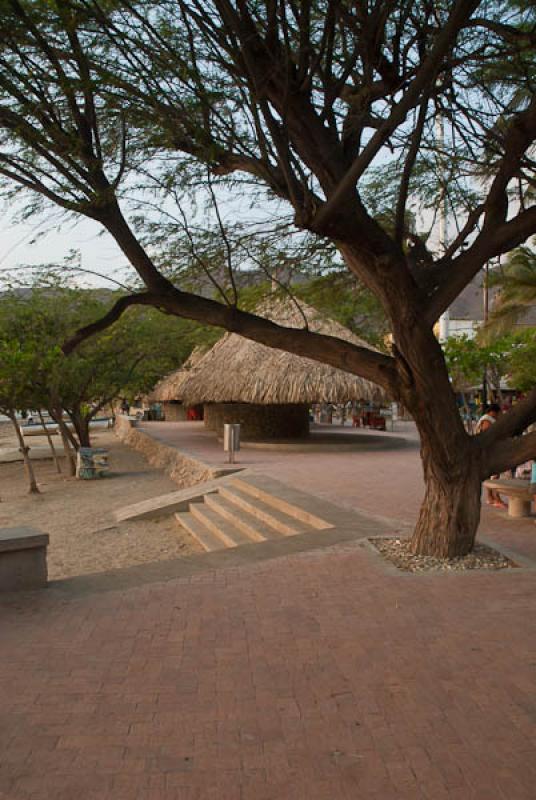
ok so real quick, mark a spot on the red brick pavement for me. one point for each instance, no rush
(314, 676)
(317, 675)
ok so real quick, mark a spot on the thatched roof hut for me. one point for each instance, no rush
(169, 389)
(239, 370)
(269, 391)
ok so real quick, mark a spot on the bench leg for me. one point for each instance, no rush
(518, 507)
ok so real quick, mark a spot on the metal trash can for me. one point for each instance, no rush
(91, 463)
(231, 439)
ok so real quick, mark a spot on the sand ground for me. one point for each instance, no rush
(78, 515)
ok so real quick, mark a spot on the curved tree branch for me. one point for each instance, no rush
(117, 310)
(510, 453)
(519, 417)
(411, 157)
(370, 364)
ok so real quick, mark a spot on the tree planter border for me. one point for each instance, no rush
(520, 564)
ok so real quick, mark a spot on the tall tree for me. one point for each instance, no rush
(309, 100)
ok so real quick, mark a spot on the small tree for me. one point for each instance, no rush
(17, 366)
(511, 357)
(470, 362)
(465, 360)
(522, 360)
(126, 359)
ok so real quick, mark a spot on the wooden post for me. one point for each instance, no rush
(50, 442)
(67, 449)
(56, 414)
(24, 449)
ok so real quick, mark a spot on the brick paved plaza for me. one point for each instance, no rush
(313, 675)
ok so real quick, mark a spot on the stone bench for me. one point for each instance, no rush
(518, 491)
(23, 559)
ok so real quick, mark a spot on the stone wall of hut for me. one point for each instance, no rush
(174, 412)
(260, 421)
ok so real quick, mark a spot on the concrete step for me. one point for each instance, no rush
(280, 521)
(252, 527)
(235, 511)
(225, 531)
(208, 540)
(250, 488)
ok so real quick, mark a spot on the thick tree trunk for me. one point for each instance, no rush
(450, 512)
(24, 449)
(50, 443)
(452, 460)
(82, 429)
(452, 465)
(69, 455)
(81, 426)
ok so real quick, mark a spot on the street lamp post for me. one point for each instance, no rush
(486, 314)
(444, 319)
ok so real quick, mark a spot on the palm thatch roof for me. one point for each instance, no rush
(170, 387)
(240, 370)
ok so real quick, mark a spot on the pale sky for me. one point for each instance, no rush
(98, 252)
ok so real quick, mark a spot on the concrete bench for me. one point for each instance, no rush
(23, 559)
(518, 491)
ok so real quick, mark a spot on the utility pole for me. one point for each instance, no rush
(486, 314)
(444, 319)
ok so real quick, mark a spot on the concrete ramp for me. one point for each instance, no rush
(166, 504)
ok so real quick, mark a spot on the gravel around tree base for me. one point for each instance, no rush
(398, 552)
